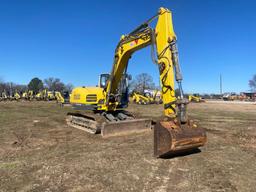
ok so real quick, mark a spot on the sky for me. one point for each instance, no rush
(74, 40)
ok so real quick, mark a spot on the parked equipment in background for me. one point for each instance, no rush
(230, 96)
(17, 96)
(3, 96)
(101, 109)
(62, 98)
(50, 96)
(39, 96)
(141, 99)
(195, 98)
(154, 95)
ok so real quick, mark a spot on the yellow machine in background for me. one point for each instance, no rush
(4, 96)
(30, 95)
(17, 96)
(149, 97)
(27, 95)
(24, 95)
(59, 97)
(39, 96)
(50, 95)
(230, 96)
(195, 98)
(45, 95)
(141, 99)
(101, 109)
(154, 95)
(62, 98)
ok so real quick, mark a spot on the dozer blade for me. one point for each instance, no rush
(171, 139)
(118, 128)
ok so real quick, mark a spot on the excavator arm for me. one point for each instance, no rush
(125, 48)
(175, 133)
(164, 39)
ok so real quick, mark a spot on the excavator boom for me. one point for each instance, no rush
(176, 133)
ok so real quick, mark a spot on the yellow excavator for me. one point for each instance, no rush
(155, 96)
(102, 108)
(195, 98)
(4, 96)
(62, 98)
(141, 99)
(17, 96)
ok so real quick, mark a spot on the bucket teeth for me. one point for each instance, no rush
(171, 138)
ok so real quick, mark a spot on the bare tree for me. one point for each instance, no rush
(252, 83)
(54, 84)
(69, 87)
(2, 85)
(10, 88)
(142, 82)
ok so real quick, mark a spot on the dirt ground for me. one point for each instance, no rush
(38, 152)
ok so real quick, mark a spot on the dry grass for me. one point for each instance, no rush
(38, 152)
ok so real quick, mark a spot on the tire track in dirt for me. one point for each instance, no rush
(159, 177)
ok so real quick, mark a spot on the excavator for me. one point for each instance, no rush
(141, 99)
(102, 108)
(154, 95)
(62, 98)
(17, 96)
(195, 98)
(4, 96)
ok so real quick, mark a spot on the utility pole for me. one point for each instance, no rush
(220, 84)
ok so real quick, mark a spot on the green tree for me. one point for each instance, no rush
(35, 85)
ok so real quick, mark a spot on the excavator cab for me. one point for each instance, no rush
(103, 80)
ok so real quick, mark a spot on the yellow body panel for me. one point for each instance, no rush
(87, 95)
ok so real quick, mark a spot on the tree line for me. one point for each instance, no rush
(144, 81)
(141, 83)
(36, 85)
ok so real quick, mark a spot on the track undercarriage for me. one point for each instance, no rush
(170, 137)
(108, 124)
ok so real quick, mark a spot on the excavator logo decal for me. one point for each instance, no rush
(134, 42)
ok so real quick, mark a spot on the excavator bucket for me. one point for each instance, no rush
(125, 127)
(171, 138)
